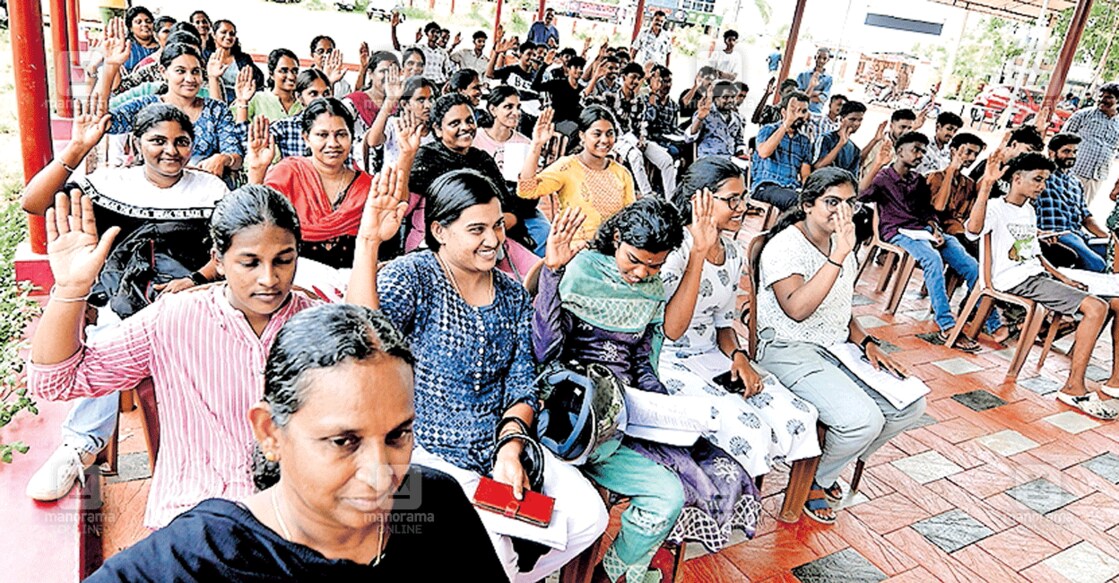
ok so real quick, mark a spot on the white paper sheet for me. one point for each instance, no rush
(900, 393)
(668, 419)
(917, 235)
(1099, 284)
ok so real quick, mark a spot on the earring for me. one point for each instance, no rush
(270, 456)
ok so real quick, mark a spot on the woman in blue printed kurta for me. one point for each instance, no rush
(469, 328)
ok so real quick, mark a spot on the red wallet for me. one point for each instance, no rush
(494, 496)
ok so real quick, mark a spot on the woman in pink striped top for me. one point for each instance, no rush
(204, 349)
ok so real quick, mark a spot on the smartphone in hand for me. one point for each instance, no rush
(735, 386)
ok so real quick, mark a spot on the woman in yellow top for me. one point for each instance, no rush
(589, 180)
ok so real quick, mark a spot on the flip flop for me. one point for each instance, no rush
(1089, 404)
(834, 493)
(816, 505)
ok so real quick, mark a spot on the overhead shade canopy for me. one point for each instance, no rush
(1014, 9)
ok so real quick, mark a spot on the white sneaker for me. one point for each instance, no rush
(1112, 392)
(57, 475)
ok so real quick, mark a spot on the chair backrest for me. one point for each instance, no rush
(875, 238)
(753, 265)
(984, 281)
(1112, 242)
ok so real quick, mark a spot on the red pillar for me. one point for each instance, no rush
(1064, 62)
(496, 19)
(639, 17)
(73, 15)
(32, 97)
(60, 43)
(540, 11)
(790, 46)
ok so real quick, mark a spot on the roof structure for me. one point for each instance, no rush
(1027, 10)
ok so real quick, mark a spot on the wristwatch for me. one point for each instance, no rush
(868, 339)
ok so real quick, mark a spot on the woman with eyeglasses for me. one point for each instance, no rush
(806, 283)
(760, 421)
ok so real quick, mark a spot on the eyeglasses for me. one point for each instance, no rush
(322, 51)
(833, 203)
(734, 202)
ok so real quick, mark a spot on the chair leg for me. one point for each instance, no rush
(901, 281)
(796, 494)
(887, 268)
(860, 465)
(870, 253)
(678, 562)
(973, 325)
(580, 569)
(1050, 336)
(969, 305)
(1026, 340)
(108, 456)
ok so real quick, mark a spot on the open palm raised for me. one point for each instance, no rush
(75, 252)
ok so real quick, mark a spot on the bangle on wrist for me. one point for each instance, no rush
(198, 278)
(834, 262)
(80, 300)
(64, 165)
(738, 351)
(522, 427)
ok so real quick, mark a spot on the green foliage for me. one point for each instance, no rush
(414, 14)
(1098, 34)
(18, 310)
(983, 53)
(316, 5)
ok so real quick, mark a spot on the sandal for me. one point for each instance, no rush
(834, 493)
(965, 344)
(817, 507)
(1089, 404)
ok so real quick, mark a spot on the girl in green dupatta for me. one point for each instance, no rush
(605, 305)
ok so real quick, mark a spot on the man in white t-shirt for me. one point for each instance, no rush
(1009, 224)
(728, 62)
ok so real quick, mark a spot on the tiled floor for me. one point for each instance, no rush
(999, 483)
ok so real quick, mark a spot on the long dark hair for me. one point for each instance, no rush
(131, 15)
(451, 194)
(814, 187)
(315, 339)
(497, 96)
(236, 50)
(307, 77)
(274, 61)
(247, 207)
(444, 105)
(650, 224)
(329, 106)
(157, 113)
(710, 173)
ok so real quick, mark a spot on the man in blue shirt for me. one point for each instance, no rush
(544, 33)
(816, 83)
(1062, 209)
(717, 125)
(836, 148)
(783, 156)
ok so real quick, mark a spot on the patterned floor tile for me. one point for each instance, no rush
(1006, 354)
(888, 347)
(927, 467)
(1106, 466)
(1041, 495)
(978, 400)
(952, 530)
(919, 315)
(958, 366)
(1071, 421)
(1018, 547)
(1084, 563)
(888, 513)
(131, 466)
(1008, 442)
(1040, 385)
(1097, 373)
(861, 300)
(846, 565)
(871, 321)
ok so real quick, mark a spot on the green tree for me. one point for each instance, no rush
(983, 53)
(1096, 40)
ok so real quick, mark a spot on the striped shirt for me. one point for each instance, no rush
(1100, 135)
(207, 365)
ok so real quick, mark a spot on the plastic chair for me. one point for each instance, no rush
(143, 396)
(983, 296)
(894, 253)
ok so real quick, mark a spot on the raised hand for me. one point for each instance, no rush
(559, 250)
(216, 65)
(844, 133)
(885, 153)
(703, 108)
(363, 54)
(419, 35)
(75, 253)
(394, 84)
(395, 20)
(704, 229)
(507, 45)
(880, 133)
(457, 41)
(90, 123)
(116, 45)
(409, 134)
(259, 153)
(843, 233)
(771, 85)
(384, 207)
(544, 129)
(333, 67)
(586, 45)
(996, 162)
(245, 87)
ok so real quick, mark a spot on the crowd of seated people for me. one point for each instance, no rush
(493, 214)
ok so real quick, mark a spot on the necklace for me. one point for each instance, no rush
(287, 534)
(454, 283)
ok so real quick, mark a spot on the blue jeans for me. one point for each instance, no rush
(89, 425)
(1088, 257)
(539, 228)
(932, 261)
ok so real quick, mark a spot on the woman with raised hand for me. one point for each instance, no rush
(203, 349)
(160, 206)
(216, 145)
(605, 305)
(287, 133)
(761, 422)
(366, 104)
(807, 280)
(469, 327)
(327, 193)
(504, 107)
(280, 101)
(407, 102)
(140, 24)
(227, 61)
(348, 504)
(589, 180)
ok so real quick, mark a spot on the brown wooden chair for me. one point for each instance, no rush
(803, 471)
(983, 296)
(143, 396)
